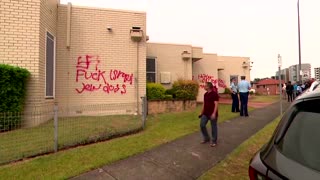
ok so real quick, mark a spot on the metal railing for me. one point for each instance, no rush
(47, 130)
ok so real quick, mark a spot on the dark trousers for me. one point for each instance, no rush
(290, 98)
(244, 104)
(204, 131)
(235, 103)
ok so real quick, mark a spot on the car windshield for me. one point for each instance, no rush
(301, 142)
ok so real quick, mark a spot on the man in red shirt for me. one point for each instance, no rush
(210, 112)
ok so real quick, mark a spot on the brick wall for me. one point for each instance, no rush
(19, 39)
(22, 42)
(232, 65)
(108, 51)
(268, 89)
(205, 70)
(48, 23)
(157, 107)
(169, 59)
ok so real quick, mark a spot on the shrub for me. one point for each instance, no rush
(185, 89)
(170, 92)
(183, 95)
(12, 94)
(168, 97)
(251, 92)
(155, 91)
(227, 91)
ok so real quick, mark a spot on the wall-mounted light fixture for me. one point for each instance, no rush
(186, 55)
(109, 29)
(136, 33)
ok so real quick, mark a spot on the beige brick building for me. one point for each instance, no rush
(23, 39)
(168, 62)
(86, 57)
(97, 61)
(77, 56)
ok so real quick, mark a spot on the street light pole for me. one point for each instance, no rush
(299, 43)
(280, 88)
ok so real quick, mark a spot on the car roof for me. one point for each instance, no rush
(313, 92)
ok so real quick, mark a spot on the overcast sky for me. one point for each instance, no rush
(259, 29)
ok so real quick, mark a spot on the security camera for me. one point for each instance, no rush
(109, 28)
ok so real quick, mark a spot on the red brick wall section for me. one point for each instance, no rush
(273, 90)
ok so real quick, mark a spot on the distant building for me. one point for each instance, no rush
(284, 75)
(294, 72)
(317, 73)
(268, 87)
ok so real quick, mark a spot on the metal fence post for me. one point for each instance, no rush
(55, 118)
(144, 111)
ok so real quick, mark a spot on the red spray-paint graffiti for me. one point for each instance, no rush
(203, 78)
(88, 70)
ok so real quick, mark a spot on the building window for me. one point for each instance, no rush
(50, 65)
(151, 70)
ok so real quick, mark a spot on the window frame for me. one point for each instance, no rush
(284, 126)
(155, 69)
(54, 65)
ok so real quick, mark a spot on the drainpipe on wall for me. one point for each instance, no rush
(68, 40)
(68, 25)
(137, 81)
(137, 35)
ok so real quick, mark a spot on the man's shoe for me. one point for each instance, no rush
(213, 144)
(204, 142)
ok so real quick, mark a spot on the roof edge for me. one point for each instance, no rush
(104, 9)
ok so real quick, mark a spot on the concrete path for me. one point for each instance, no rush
(185, 158)
(251, 104)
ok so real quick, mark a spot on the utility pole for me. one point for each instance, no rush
(280, 88)
(299, 43)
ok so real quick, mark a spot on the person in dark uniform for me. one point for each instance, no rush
(209, 112)
(289, 90)
(234, 95)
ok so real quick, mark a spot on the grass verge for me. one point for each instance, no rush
(28, 142)
(265, 99)
(65, 164)
(236, 165)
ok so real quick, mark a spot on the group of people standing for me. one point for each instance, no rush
(210, 107)
(291, 91)
(241, 90)
(238, 91)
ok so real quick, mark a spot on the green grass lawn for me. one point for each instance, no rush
(160, 129)
(236, 165)
(72, 131)
(265, 99)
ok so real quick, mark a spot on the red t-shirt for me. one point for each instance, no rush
(209, 99)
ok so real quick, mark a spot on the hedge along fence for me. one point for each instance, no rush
(12, 94)
(181, 90)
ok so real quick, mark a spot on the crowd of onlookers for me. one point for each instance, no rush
(291, 91)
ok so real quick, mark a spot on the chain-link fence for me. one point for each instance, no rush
(28, 134)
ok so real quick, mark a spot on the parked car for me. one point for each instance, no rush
(293, 152)
(314, 86)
